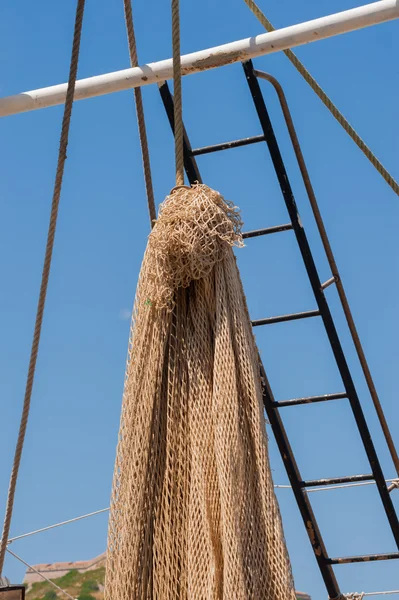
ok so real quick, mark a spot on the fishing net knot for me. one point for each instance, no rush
(195, 228)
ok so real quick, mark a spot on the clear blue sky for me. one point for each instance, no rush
(70, 447)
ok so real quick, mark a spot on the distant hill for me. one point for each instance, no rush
(86, 585)
(82, 586)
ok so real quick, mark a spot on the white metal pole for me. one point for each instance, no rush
(266, 43)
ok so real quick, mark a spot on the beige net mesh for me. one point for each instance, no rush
(193, 510)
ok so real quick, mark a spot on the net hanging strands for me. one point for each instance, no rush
(193, 512)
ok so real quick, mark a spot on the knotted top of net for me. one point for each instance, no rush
(194, 229)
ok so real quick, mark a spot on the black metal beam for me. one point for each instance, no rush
(300, 493)
(190, 164)
(320, 298)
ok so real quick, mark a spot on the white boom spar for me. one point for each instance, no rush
(211, 58)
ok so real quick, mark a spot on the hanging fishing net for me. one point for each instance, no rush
(193, 511)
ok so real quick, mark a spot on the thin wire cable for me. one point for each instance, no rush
(134, 61)
(45, 275)
(361, 595)
(177, 92)
(333, 265)
(327, 101)
(40, 574)
(380, 593)
(277, 486)
(24, 535)
(334, 487)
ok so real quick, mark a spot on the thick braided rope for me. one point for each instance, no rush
(178, 112)
(327, 102)
(45, 275)
(140, 112)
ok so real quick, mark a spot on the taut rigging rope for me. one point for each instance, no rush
(45, 275)
(327, 101)
(140, 113)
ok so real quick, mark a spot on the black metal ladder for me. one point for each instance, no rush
(299, 486)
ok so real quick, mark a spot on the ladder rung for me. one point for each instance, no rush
(336, 480)
(227, 145)
(329, 282)
(309, 400)
(365, 558)
(282, 318)
(258, 232)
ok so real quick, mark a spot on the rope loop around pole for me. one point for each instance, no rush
(179, 187)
